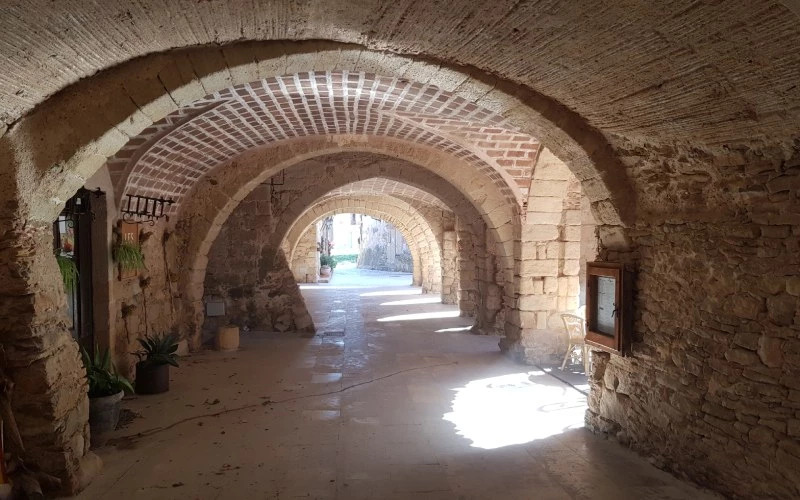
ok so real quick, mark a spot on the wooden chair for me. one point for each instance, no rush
(576, 333)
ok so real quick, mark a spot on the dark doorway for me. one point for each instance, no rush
(72, 240)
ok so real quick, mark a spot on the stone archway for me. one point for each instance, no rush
(424, 243)
(201, 221)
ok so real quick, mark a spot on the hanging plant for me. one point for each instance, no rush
(69, 271)
(129, 256)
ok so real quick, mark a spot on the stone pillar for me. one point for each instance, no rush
(571, 235)
(49, 399)
(305, 258)
(450, 282)
(416, 272)
(588, 246)
(547, 264)
(431, 262)
(467, 276)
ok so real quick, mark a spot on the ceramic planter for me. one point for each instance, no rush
(152, 379)
(227, 338)
(104, 416)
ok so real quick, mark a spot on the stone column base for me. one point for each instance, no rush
(536, 347)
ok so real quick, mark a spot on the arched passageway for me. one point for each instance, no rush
(661, 138)
(271, 221)
(425, 250)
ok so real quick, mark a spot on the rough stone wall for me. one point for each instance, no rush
(126, 310)
(305, 259)
(143, 305)
(711, 388)
(383, 248)
(251, 273)
(49, 395)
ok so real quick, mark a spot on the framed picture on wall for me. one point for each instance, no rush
(608, 306)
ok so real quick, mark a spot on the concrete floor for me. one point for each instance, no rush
(391, 400)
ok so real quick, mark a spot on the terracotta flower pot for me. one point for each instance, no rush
(325, 271)
(152, 379)
(103, 416)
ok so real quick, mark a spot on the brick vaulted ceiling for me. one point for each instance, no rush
(702, 72)
(167, 158)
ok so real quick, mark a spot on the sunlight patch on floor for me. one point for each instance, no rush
(328, 286)
(454, 329)
(381, 293)
(418, 316)
(515, 409)
(411, 302)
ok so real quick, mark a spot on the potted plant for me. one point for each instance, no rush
(69, 271)
(327, 264)
(155, 357)
(106, 389)
(129, 256)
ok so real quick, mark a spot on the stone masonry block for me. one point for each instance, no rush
(545, 204)
(537, 303)
(553, 249)
(548, 267)
(572, 250)
(549, 188)
(531, 286)
(539, 232)
(535, 217)
(573, 217)
(572, 267)
(572, 233)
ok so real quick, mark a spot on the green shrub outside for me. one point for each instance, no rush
(333, 260)
(353, 257)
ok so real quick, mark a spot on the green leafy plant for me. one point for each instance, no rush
(353, 257)
(102, 375)
(327, 260)
(158, 350)
(69, 271)
(129, 256)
